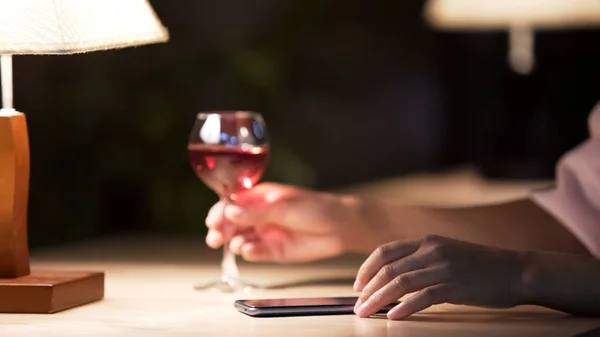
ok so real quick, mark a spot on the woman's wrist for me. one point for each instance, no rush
(364, 224)
(525, 280)
(565, 282)
(541, 276)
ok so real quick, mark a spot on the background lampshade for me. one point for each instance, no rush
(520, 17)
(72, 26)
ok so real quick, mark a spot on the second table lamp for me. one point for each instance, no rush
(520, 17)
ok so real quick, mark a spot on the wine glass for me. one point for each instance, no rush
(228, 151)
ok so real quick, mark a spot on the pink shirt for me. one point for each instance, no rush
(575, 201)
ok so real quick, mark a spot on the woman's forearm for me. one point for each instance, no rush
(564, 282)
(520, 225)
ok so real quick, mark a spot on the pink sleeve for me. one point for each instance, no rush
(575, 201)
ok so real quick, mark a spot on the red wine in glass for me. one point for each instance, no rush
(228, 152)
(228, 170)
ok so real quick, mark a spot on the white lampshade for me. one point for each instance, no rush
(520, 17)
(71, 26)
(76, 26)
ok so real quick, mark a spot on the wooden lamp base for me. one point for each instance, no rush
(20, 290)
(45, 292)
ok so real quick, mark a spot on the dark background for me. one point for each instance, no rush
(352, 91)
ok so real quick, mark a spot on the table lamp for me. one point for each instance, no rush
(520, 17)
(51, 27)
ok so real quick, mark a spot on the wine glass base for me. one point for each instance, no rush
(227, 285)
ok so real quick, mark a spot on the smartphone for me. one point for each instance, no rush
(301, 306)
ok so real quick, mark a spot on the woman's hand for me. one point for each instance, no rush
(438, 270)
(279, 223)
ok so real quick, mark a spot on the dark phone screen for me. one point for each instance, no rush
(302, 302)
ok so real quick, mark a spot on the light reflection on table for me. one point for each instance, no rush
(148, 294)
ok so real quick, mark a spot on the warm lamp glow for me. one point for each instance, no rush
(75, 26)
(520, 17)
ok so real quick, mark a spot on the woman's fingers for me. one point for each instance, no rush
(235, 245)
(390, 272)
(240, 239)
(215, 218)
(399, 286)
(222, 224)
(382, 256)
(264, 193)
(257, 215)
(254, 207)
(259, 251)
(214, 239)
(422, 300)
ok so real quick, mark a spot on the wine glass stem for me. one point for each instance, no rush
(229, 268)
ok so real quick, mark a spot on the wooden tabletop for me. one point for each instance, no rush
(149, 292)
